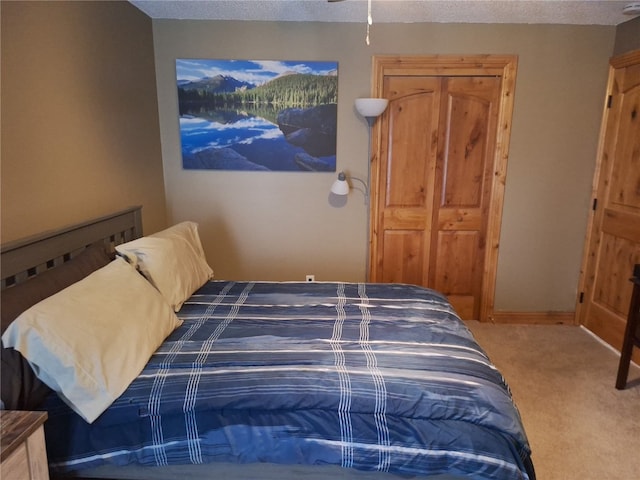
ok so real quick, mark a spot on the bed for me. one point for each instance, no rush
(208, 378)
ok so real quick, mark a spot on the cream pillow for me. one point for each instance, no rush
(172, 260)
(89, 341)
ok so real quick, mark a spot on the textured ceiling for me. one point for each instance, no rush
(588, 12)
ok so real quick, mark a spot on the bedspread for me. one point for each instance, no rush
(366, 376)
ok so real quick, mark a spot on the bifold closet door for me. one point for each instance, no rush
(435, 176)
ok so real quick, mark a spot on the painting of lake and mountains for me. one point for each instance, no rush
(258, 115)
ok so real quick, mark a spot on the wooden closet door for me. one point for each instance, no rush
(434, 192)
(406, 180)
(613, 243)
(438, 171)
(467, 131)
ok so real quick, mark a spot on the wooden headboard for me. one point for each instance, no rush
(23, 259)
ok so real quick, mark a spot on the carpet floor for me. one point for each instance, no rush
(562, 379)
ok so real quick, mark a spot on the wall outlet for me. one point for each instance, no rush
(310, 278)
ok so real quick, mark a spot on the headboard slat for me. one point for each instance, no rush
(33, 253)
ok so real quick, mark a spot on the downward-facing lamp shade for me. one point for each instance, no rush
(340, 186)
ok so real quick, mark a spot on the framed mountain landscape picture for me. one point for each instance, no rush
(257, 114)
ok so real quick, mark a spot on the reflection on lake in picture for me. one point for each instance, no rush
(257, 115)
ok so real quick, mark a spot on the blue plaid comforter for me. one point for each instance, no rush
(367, 376)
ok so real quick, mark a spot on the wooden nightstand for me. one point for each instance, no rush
(22, 447)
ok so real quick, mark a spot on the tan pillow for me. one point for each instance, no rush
(20, 388)
(172, 260)
(89, 341)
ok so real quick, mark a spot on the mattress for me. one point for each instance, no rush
(368, 377)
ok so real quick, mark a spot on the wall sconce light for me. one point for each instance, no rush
(341, 186)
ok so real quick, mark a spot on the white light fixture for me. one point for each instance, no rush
(341, 186)
(632, 8)
(370, 109)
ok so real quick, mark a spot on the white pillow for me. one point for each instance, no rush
(89, 341)
(172, 260)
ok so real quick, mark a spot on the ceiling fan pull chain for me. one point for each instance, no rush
(369, 21)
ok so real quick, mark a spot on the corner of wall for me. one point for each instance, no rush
(627, 37)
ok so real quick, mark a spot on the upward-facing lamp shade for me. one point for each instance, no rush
(371, 107)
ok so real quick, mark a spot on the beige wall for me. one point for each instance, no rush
(80, 131)
(80, 138)
(281, 226)
(627, 36)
